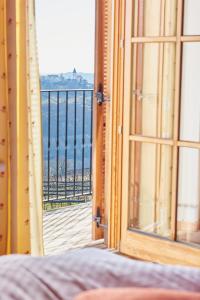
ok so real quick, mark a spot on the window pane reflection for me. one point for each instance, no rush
(144, 11)
(189, 196)
(150, 188)
(191, 24)
(190, 96)
(153, 90)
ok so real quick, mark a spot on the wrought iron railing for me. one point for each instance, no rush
(67, 145)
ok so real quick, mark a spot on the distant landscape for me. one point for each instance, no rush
(70, 80)
(65, 81)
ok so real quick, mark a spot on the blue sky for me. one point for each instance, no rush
(65, 34)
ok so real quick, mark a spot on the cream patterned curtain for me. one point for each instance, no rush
(20, 131)
(35, 136)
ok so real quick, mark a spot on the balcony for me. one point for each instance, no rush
(67, 157)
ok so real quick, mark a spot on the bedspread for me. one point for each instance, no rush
(64, 276)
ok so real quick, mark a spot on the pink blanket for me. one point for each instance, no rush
(64, 276)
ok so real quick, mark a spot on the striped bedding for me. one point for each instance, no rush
(65, 276)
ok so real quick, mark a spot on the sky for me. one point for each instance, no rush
(65, 35)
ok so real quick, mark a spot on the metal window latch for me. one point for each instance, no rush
(100, 97)
(98, 218)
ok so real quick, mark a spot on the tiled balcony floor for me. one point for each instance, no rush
(67, 228)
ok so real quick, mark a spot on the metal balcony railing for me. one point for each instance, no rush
(67, 145)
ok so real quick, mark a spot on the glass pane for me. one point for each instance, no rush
(191, 24)
(153, 89)
(150, 188)
(190, 97)
(147, 20)
(189, 196)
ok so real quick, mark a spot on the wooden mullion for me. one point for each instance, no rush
(126, 113)
(188, 144)
(168, 142)
(176, 121)
(160, 73)
(137, 119)
(190, 38)
(133, 151)
(133, 126)
(159, 114)
(135, 31)
(120, 85)
(151, 140)
(159, 39)
(112, 196)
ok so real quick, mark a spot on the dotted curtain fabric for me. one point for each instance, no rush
(20, 131)
(4, 141)
(35, 134)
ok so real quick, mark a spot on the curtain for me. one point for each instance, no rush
(35, 136)
(20, 131)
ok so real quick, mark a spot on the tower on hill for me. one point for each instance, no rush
(74, 73)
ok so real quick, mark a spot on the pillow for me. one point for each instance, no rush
(137, 294)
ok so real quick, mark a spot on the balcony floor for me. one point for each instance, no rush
(68, 228)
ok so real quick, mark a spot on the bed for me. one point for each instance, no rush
(67, 275)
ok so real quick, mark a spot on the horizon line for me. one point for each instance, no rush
(56, 73)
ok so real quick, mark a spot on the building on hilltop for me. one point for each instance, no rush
(74, 73)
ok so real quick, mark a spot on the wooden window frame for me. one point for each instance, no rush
(160, 250)
(114, 185)
(101, 115)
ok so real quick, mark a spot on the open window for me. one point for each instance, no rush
(160, 200)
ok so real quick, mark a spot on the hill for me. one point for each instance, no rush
(66, 81)
(70, 80)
